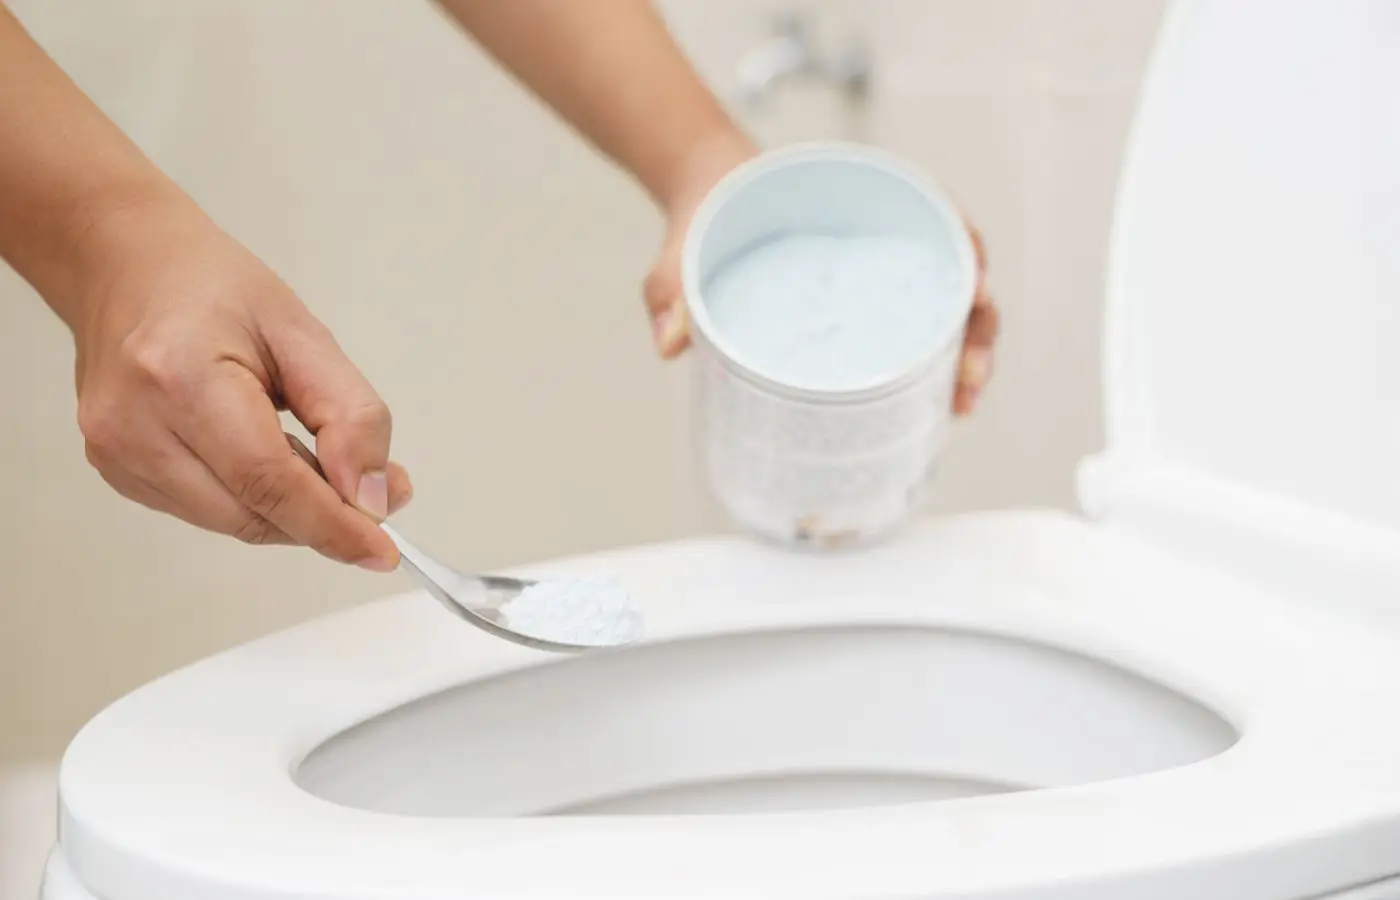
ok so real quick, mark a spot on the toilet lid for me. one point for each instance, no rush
(1252, 350)
(186, 787)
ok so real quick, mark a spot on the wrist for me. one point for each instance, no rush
(704, 162)
(106, 233)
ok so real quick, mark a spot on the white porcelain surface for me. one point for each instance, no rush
(1252, 374)
(186, 788)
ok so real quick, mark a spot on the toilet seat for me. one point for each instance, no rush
(186, 787)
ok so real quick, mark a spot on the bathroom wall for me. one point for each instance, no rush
(482, 267)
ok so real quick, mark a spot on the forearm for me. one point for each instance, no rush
(65, 169)
(611, 68)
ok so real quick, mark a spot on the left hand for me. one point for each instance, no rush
(665, 302)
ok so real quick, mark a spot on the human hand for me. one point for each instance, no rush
(663, 292)
(187, 347)
(979, 338)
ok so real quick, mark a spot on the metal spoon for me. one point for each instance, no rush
(477, 599)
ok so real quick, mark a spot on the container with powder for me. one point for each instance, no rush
(828, 286)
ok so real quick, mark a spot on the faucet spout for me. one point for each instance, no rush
(792, 54)
(769, 66)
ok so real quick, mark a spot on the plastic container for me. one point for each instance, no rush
(819, 467)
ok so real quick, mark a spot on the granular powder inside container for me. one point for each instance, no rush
(832, 312)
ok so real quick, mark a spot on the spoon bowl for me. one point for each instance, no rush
(483, 600)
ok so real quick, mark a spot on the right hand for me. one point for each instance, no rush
(662, 290)
(187, 346)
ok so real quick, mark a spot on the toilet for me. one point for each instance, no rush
(1190, 690)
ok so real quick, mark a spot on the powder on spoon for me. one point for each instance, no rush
(592, 611)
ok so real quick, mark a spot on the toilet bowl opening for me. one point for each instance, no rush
(811, 718)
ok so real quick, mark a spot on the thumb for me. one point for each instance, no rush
(352, 425)
(665, 299)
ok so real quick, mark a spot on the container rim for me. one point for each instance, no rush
(747, 173)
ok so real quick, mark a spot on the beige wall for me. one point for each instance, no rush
(482, 267)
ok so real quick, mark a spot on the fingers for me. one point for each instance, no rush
(147, 463)
(664, 297)
(983, 323)
(400, 488)
(162, 474)
(235, 431)
(979, 340)
(973, 376)
(979, 247)
(665, 300)
(336, 403)
(704, 164)
(975, 367)
(305, 453)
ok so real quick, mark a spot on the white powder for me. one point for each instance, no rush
(594, 611)
(828, 312)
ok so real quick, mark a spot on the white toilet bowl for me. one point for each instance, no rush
(1195, 696)
(1141, 727)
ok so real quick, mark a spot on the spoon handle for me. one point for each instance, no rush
(419, 564)
(439, 580)
(407, 552)
(468, 597)
(445, 583)
(447, 586)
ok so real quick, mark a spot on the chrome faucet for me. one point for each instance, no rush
(792, 53)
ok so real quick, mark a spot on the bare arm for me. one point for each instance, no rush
(611, 69)
(64, 167)
(184, 340)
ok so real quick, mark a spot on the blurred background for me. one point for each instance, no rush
(483, 267)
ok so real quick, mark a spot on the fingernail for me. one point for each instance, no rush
(403, 500)
(671, 327)
(376, 564)
(966, 401)
(661, 325)
(373, 494)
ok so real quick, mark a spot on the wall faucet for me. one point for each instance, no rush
(791, 53)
